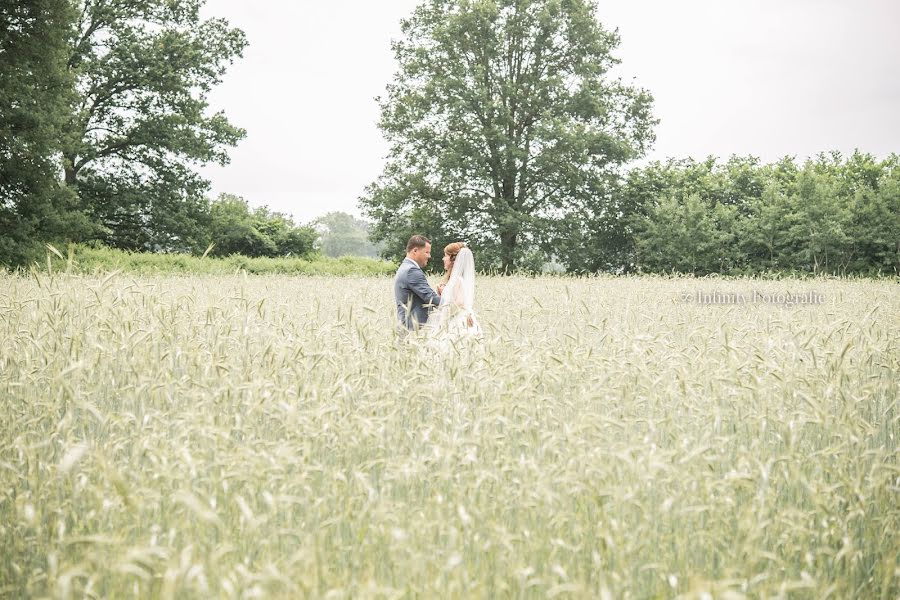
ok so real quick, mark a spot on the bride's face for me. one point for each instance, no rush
(448, 263)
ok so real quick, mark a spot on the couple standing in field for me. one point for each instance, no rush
(446, 314)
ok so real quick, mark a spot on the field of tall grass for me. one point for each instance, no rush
(267, 436)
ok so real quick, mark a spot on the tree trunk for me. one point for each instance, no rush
(508, 240)
(509, 224)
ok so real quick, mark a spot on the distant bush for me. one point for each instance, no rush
(236, 228)
(341, 234)
(87, 259)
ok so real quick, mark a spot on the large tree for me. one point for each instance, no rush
(36, 92)
(504, 123)
(142, 125)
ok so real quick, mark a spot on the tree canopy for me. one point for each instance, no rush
(505, 123)
(235, 228)
(36, 92)
(143, 69)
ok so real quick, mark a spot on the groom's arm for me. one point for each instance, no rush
(419, 286)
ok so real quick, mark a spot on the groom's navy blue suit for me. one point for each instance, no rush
(412, 293)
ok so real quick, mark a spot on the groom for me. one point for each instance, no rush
(411, 290)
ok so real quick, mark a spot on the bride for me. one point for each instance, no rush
(455, 317)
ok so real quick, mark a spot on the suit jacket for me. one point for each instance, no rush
(412, 293)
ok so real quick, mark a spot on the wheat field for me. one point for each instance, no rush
(269, 437)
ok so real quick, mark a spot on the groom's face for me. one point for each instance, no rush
(422, 255)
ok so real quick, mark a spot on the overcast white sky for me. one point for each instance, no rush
(767, 78)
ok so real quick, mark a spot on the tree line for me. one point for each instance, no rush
(829, 215)
(103, 121)
(507, 128)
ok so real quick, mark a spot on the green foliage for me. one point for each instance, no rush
(396, 220)
(600, 238)
(504, 125)
(688, 237)
(830, 215)
(236, 229)
(873, 226)
(341, 234)
(83, 259)
(141, 124)
(762, 232)
(36, 92)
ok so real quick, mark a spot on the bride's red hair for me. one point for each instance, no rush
(452, 250)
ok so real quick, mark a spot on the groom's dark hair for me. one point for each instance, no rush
(417, 241)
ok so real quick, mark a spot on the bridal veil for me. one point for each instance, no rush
(458, 298)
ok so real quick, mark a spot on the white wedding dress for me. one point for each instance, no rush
(455, 319)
